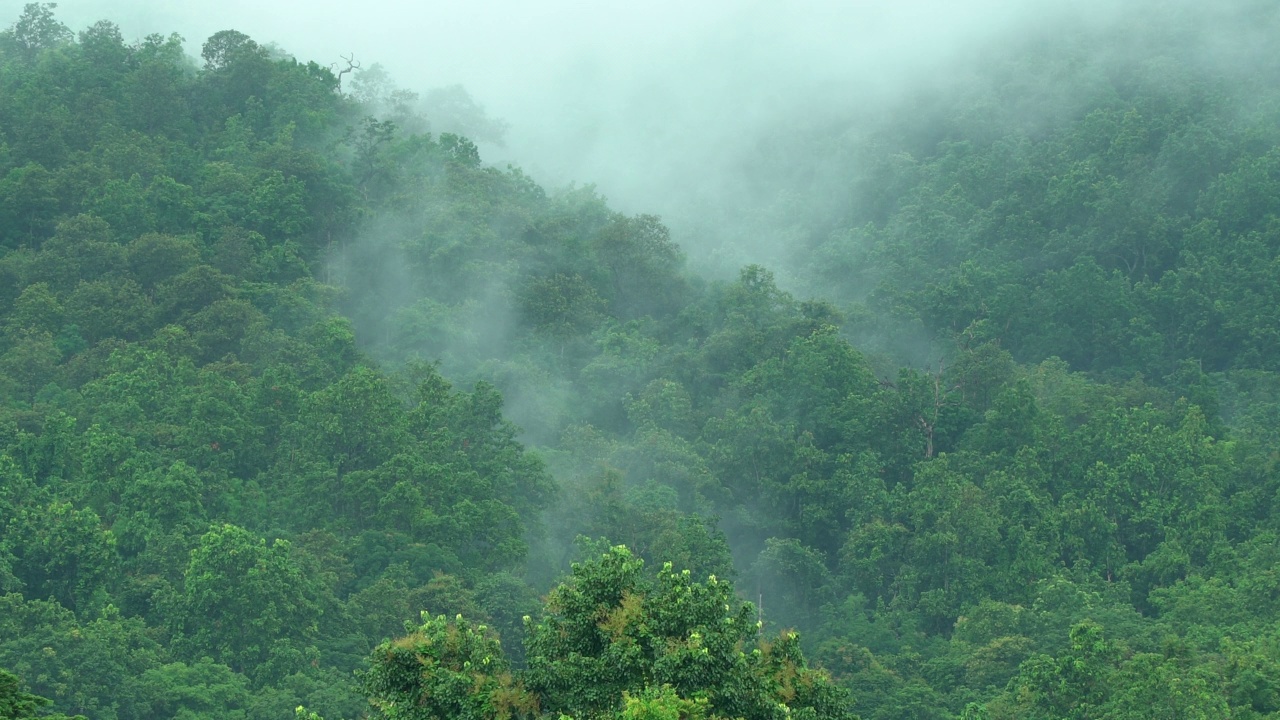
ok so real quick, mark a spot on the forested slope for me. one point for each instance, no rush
(231, 292)
(212, 502)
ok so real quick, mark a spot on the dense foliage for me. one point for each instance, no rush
(271, 352)
(212, 503)
(613, 644)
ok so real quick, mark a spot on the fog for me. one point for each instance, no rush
(658, 104)
(739, 123)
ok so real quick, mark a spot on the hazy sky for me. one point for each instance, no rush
(652, 101)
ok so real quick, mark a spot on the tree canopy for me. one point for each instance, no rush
(285, 364)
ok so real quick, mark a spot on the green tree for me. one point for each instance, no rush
(15, 704)
(62, 553)
(609, 631)
(642, 264)
(445, 670)
(612, 643)
(246, 603)
(1074, 686)
(38, 29)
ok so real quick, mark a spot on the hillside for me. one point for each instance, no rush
(281, 368)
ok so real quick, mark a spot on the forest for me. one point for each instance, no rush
(307, 411)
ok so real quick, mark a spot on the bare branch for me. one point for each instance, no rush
(352, 66)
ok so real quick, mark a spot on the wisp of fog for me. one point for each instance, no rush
(658, 104)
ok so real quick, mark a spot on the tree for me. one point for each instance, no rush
(37, 29)
(15, 704)
(794, 579)
(62, 553)
(356, 423)
(28, 205)
(613, 643)
(642, 264)
(245, 602)
(446, 669)
(1073, 686)
(225, 47)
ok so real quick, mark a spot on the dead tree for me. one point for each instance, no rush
(352, 66)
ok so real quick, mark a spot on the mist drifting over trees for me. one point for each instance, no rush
(734, 361)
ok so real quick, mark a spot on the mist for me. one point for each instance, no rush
(738, 123)
(946, 332)
(662, 106)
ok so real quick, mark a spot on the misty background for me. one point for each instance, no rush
(666, 107)
(754, 130)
